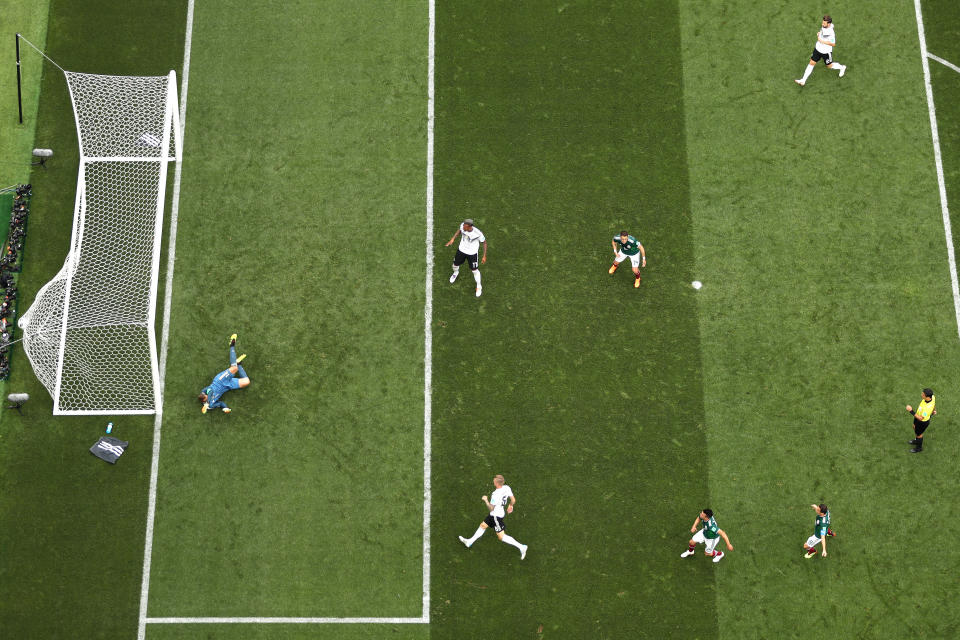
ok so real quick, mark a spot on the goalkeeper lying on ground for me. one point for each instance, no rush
(225, 381)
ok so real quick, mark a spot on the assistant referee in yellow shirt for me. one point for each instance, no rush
(921, 417)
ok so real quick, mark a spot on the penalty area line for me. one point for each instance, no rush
(421, 620)
(945, 63)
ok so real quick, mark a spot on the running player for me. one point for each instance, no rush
(823, 50)
(225, 381)
(498, 507)
(821, 531)
(709, 535)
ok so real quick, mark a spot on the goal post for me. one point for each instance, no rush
(90, 335)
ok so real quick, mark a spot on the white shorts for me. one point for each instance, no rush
(813, 541)
(634, 259)
(709, 543)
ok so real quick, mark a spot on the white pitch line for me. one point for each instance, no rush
(428, 319)
(945, 211)
(165, 335)
(943, 62)
(285, 620)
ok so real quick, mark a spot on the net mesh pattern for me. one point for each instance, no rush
(119, 115)
(100, 305)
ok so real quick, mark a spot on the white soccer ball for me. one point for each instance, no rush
(696, 284)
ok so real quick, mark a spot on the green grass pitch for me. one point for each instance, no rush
(811, 215)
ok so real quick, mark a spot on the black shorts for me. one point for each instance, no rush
(919, 427)
(461, 257)
(494, 523)
(827, 58)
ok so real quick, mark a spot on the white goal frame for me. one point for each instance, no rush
(114, 318)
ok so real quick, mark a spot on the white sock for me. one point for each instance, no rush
(807, 72)
(456, 269)
(837, 66)
(477, 534)
(476, 276)
(511, 541)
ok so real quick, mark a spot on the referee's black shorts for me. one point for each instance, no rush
(919, 426)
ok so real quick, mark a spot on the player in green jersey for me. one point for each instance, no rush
(709, 535)
(625, 246)
(821, 531)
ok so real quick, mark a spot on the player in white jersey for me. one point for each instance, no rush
(823, 50)
(500, 503)
(470, 240)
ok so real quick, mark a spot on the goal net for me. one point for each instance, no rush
(89, 334)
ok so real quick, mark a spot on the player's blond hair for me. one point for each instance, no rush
(500, 478)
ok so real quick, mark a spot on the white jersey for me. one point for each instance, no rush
(499, 499)
(826, 33)
(470, 241)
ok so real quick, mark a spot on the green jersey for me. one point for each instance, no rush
(631, 247)
(710, 528)
(823, 523)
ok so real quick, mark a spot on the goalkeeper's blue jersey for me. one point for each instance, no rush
(219, 386)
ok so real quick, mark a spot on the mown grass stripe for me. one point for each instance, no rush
(165, 333)
(827, 310)
(559, 126)
(326, 445)
(938, 159)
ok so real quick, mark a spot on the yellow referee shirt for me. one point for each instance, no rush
(925, 410)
